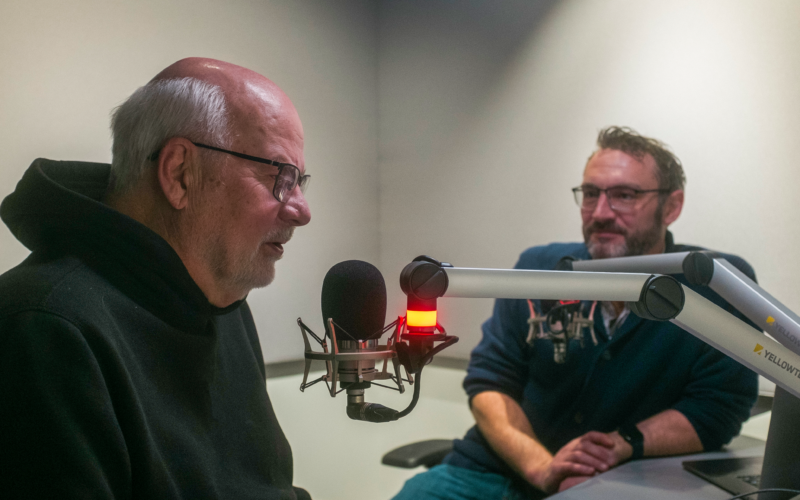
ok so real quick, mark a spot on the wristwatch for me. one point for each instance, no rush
(634, 437)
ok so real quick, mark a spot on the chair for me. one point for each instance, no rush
(428, 453)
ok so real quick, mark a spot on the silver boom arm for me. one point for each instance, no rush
(555, 285)
(702, 269)
(778, 361)
(650, 296)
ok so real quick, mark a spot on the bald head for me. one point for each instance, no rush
(256, 106)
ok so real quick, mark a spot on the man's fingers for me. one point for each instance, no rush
(601, 453)
(583, 458)
(598, 438)
(566, 469)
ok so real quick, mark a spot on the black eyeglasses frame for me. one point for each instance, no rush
(637, 192)
(302, 180)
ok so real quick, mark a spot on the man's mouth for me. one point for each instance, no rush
(275, 239)
(606, 234)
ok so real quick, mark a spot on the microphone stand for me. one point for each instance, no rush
(413, 356)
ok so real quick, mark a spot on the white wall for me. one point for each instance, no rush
(65, 65)
(489, 110)
(449, 128)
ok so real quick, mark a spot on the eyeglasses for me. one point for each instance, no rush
(621, 199)
(288, 175)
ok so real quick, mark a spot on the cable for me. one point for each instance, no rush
(767, 490)
(418, 376)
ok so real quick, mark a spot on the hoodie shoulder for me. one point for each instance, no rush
(32, 284)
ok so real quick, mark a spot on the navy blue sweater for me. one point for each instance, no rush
(647, 367)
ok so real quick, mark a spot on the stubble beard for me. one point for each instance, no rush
(246, 271)
(635, 243)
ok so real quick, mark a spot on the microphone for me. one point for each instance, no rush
(565, 321)
(354, 311)
(354, 298)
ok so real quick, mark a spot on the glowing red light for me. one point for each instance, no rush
(421, 318)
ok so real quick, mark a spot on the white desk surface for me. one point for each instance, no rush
(660, 478)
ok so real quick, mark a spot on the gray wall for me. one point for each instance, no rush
(452, 128)
(489, 110)
(65, 65)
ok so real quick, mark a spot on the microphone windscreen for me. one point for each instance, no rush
(354, 295)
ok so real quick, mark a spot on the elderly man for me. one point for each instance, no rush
(645, 389)
(130, 366)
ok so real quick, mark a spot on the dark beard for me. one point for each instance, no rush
(635, 244)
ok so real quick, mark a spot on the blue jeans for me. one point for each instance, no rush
(447, 482)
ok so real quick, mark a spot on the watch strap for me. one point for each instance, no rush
(634, 437)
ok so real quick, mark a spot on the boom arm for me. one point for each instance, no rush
(703, 269)
(650, 296)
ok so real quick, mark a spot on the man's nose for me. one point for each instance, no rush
(295, 210)
(603, 209)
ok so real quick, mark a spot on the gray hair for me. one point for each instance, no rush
(158, 111)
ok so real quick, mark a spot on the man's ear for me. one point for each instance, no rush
(672, 207)
(174, 172)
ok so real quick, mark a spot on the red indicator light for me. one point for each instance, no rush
(421, 318)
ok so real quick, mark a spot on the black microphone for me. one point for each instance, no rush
(354, 311)
(354, 304)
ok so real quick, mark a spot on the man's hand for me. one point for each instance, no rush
(507, 429)
(621, 450)
(584, 456)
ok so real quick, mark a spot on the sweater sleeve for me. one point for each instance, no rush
(60, 437)
(721, 391)
(718, 398)
(500, 361)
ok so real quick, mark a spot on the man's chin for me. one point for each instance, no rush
(607, 250)
(254, 277)
(264, 277)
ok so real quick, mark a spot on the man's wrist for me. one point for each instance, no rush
(634, 437)
(536, 473)
(622, 449)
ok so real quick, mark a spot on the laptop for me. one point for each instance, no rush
(734, 475)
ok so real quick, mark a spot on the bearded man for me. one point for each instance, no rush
(645, 388)
(130, 366)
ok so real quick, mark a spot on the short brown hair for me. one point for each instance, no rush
(669, 172)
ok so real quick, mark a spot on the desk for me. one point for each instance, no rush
(660, 478)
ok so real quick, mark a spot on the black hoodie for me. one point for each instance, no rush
(118, 379)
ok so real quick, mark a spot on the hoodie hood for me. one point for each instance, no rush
(57, 209)
(56, 199)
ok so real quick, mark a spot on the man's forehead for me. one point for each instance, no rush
(609, 167)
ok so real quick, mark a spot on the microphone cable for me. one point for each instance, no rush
(418, 374)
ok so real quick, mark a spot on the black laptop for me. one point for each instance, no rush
(734, 475)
